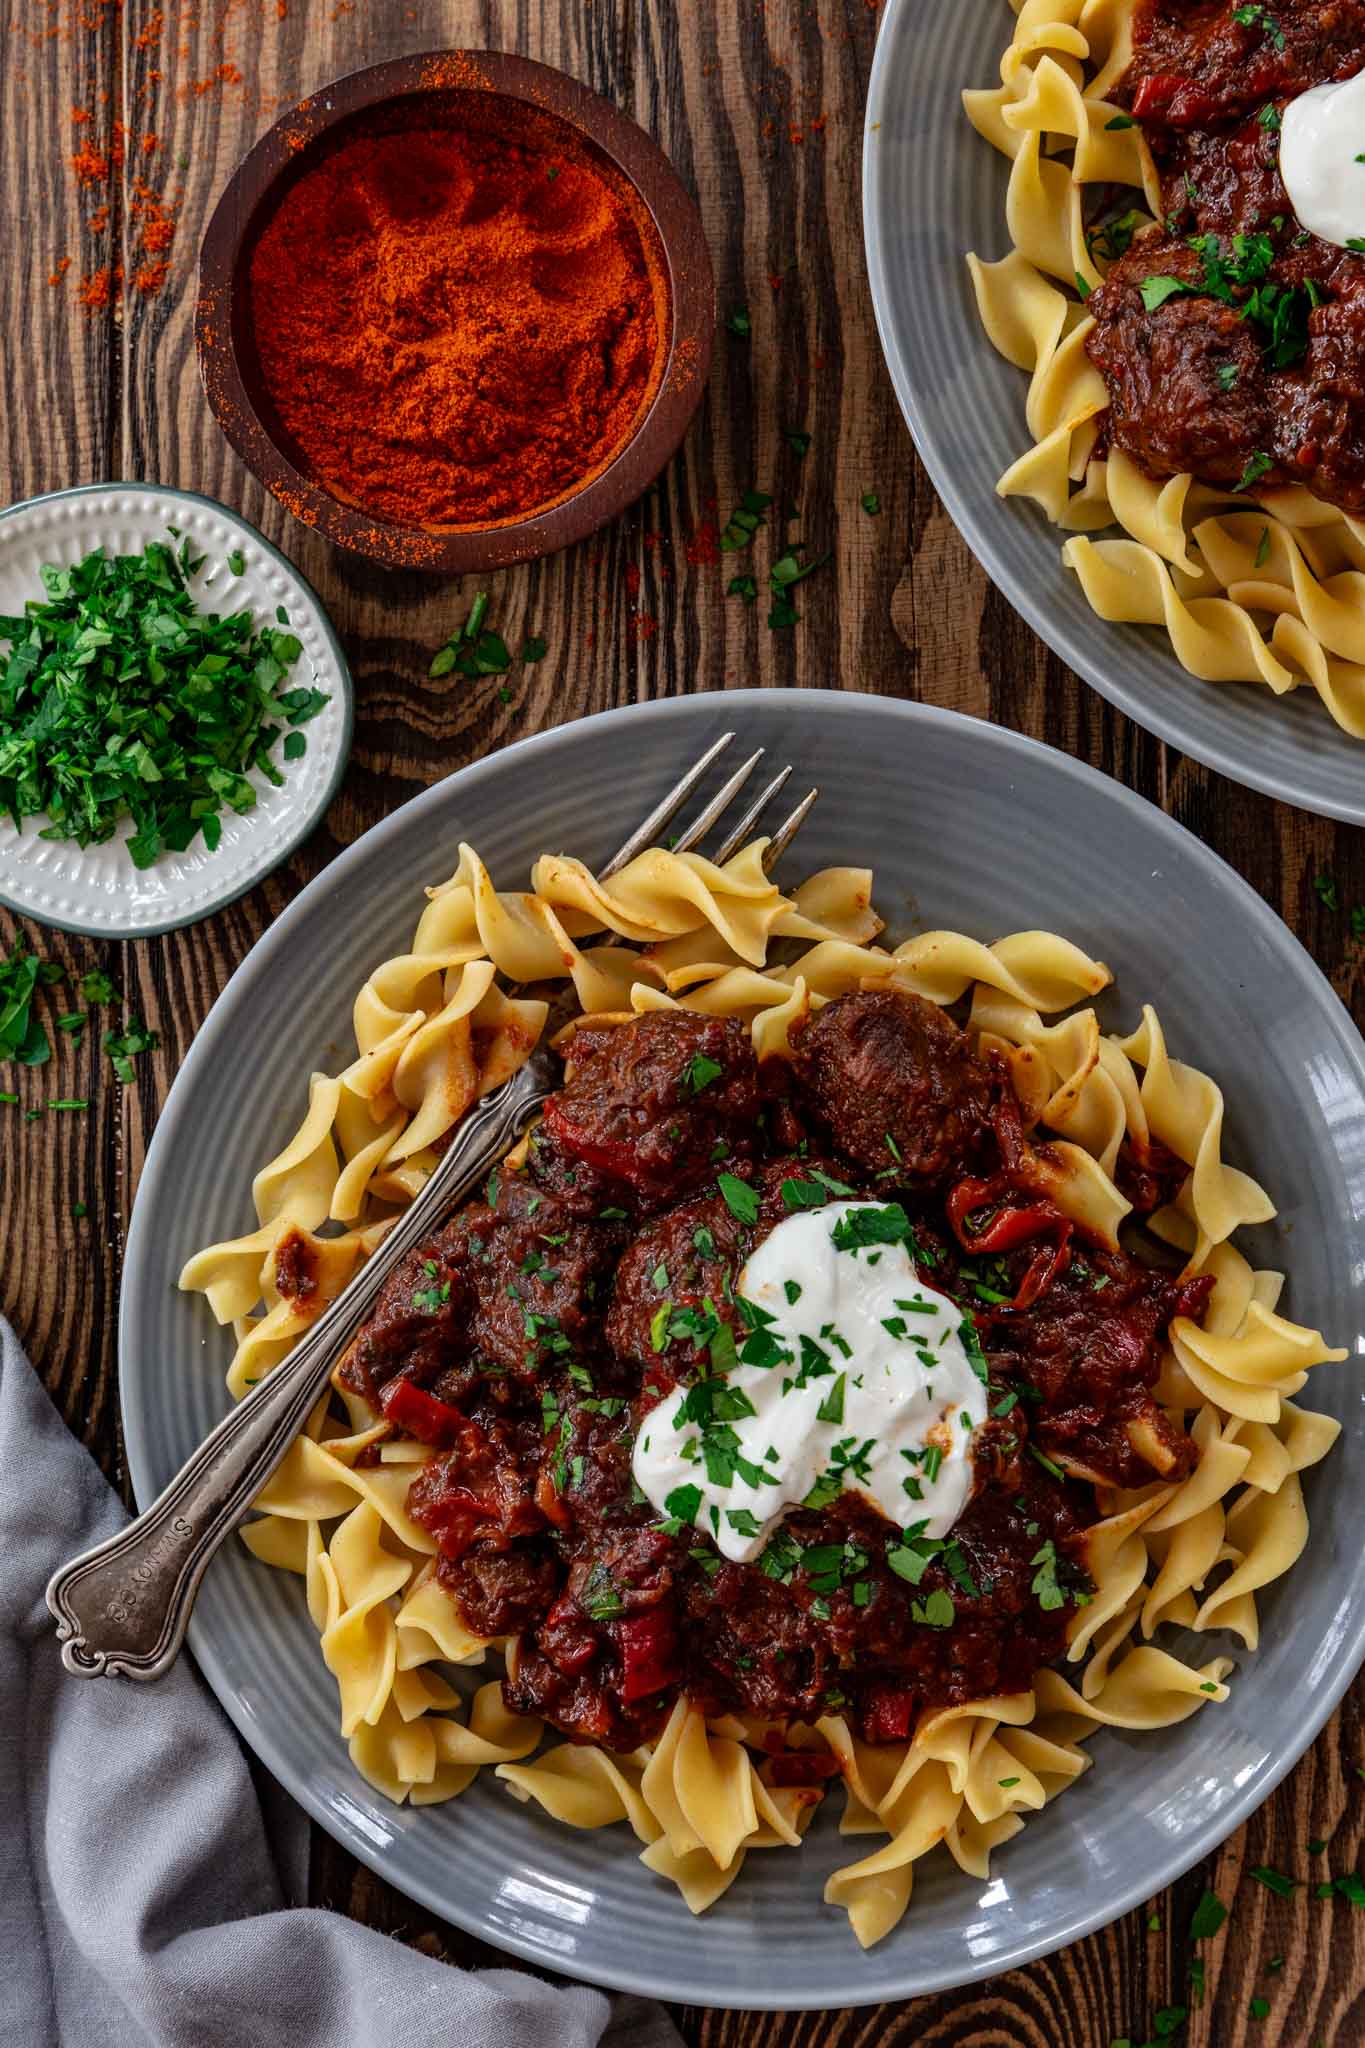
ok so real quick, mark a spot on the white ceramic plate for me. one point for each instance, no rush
(98, 891)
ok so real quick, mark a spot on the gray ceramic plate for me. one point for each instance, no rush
(932, 190)
(969, 826)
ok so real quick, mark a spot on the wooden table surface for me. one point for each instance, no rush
(760, 108)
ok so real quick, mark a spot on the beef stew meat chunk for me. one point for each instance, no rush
(654, 1104)
(895, 1082)
(416, 1327)
(537, 1274)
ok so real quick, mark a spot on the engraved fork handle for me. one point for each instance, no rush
(123, 1607)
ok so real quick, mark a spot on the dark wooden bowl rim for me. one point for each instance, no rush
(604, 127)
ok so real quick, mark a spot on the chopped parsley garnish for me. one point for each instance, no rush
(23, 1036)
(1262, 548)
(1256, 467)
(831, 1409)
(1156, 290)
(745, 521)
(1269, 117)
(870, 503)
(704, 1242)
(802, 1194)
(1252, 16)
(121, 700)
(792, 1290)
(863, 1227)
(743, 587)
(737, 322)
(739, 1198)
(1227, 374)
(1111, 239)
(780, 1558)
(1119, 121)
(682, 1504)
(1046, 1462)
(846, 1456)
(1082, 286)
(798, 440)
(1276, 1881)
(124, 1047)
(599, 1599)
(428, 1300)
(1325, 889)
(96, 986)
(1045, 1589)
(937, 1611)
(700, 1072)
(743, 1522)
(784, 575)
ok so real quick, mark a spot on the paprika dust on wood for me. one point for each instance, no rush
(460, 312)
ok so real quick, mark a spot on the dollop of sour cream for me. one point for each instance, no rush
(856, 1377)
(1322, 138)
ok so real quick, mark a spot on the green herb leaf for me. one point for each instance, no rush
(871, 503)
(738, 322)
(1256, 467)
(1156, 290)
(739, 1198)
(701, 1071)
(1209, 1916)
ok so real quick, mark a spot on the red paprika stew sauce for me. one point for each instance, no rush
(524, 1343)
(1231, 341)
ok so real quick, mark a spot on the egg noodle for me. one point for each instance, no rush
(1196, 560)
(435, 1029)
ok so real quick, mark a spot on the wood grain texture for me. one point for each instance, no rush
(760, 109)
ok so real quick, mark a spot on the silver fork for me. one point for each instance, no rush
(123, 1607)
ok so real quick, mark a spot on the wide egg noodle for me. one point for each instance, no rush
(436, 1027)
(1209, 568)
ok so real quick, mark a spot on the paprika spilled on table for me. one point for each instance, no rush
(461, 314)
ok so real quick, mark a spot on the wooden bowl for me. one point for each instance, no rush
(231, 371)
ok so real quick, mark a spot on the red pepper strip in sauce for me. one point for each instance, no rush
(411, 1408)
(888, 1713)
(1006, 1228)
(1176, 101)
(649, 1653)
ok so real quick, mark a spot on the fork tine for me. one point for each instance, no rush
(647, 833)
(740, 835)
(709, 813)
(786, 832)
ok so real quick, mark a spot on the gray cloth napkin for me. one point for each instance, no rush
(139, 1903)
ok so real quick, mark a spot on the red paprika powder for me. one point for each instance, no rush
(461, 319)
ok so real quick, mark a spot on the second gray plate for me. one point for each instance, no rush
(932, 190)
(965, 825)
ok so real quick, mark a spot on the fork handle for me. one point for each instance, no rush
(122, 1608)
